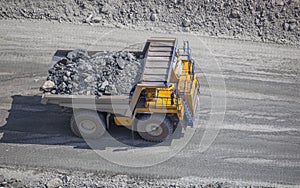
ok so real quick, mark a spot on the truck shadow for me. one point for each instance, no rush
(30, 122)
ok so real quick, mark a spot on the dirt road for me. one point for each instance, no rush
(258, 140)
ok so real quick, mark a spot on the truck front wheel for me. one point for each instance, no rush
(155, 128)
(88, 124)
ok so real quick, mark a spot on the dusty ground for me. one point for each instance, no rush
(258, 142)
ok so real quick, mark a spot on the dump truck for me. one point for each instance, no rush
(166, 96)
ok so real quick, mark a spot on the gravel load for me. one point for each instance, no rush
(104, 73)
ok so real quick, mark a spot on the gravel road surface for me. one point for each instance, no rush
(258, 141)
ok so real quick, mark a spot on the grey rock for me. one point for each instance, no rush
(186, 29)
(63, 86)
(292, 21)
(121, 54)
(54, 183)
(48, 85)
(65, 79)
(104, 85)
(113, 89)
(292, 26)
(279, 3)
(89, 18)
(186, 22)
(97, 19)
(286, 26)
(107, 92)
(85, 75)
(121, 63)
(235, 14)
(68, 73)
(12, 180)
(71, 55)
(75, 78)
(89, 79)
(153, 17)
(105, 9)
(4, 183)
(130, 57)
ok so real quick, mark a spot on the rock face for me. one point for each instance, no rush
(108, 73)
(274, 20)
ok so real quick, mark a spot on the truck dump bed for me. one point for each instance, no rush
(158, 56)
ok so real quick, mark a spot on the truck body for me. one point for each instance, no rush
(167, 95)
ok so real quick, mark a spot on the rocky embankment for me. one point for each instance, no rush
(271, 21)
(21, 178)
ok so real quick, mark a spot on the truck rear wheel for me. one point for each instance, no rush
(157, 128)
(88, 124)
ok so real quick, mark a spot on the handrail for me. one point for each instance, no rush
(186, 50)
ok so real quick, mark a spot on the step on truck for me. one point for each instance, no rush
(165, 98)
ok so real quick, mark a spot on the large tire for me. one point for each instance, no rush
(88, 124)
(157, 128)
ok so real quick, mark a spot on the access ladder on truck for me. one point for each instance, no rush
(158, 60)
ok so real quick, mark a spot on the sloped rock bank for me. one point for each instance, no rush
(273, 21)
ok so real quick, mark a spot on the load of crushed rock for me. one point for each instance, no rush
(104, 73)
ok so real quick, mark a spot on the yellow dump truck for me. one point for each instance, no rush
(166, 96)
